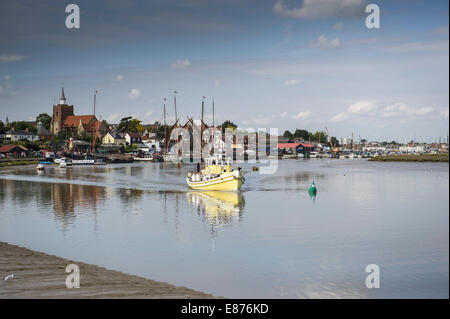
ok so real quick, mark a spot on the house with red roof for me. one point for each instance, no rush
(13, 151)
(64, 119)
(294, 148)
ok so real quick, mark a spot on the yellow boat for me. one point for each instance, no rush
(216, 176)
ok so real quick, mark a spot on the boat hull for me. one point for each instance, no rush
(143, 159)
(229, 183)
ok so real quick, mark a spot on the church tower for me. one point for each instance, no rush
(62, 99)
(60, 112)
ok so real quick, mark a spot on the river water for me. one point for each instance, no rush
(271, 240)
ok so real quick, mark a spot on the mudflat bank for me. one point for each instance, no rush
(412, 158)
(39, 275)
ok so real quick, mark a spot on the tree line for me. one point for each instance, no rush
(318, 137)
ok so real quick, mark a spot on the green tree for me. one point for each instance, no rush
(2, 127)
(319, 137)
(334, 141)
(124, 124)
(85, 137)
(63, 135)
(45, 119)
(22, 126)
(130, 125)
(287, 134)
(304, 134)
(227, 124)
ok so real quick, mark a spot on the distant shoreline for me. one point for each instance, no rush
(39, 275)
(442, 158)
(13, 163)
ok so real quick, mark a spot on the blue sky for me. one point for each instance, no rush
(288, 64)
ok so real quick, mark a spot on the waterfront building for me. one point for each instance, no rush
(14, 151)
(294, 148)
(114, 138)
(412, 149)
(63, 118)
(42, 132)
(15, 136)
(133, 138)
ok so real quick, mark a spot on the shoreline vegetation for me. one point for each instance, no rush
(412, 158)
(39, 275)
(18, 162)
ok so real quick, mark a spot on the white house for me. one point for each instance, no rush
(133, 138)
(151, 144)
(111, 138)
(412, 149)
(15, 136)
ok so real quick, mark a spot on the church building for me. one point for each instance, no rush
(63, 118)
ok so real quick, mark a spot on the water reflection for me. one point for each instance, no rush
(69, 198)
(145, 214)
(218, 208)
(312, 195)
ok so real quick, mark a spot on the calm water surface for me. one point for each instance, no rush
(271, 240)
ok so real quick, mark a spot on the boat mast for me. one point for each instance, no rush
(201, 130)
(175, 104)
(213, 112)
(95, 97)
(94, 137)
(353, 144)
(165, 126)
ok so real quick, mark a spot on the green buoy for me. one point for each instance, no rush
(312, 189)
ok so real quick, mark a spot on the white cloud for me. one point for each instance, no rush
(440, 30)
(6, 92)
(11, 57)
(361, 107)
(263, 120)
(444, 114)
(313, 9)
(292, 82)
(114, 118)
(397, 110)
(148, 114)
(324, 43)
(423, 110)
(302, 115)
(181, 64)
(119, 77)
(339, 117)
(134, 94)
(7, 77)
(417, 47)
(403, 111)
(338, 26)
(259, 120)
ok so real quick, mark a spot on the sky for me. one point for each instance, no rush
(286, 64)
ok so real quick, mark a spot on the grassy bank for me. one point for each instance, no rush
(18, 163)
(412, 158)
